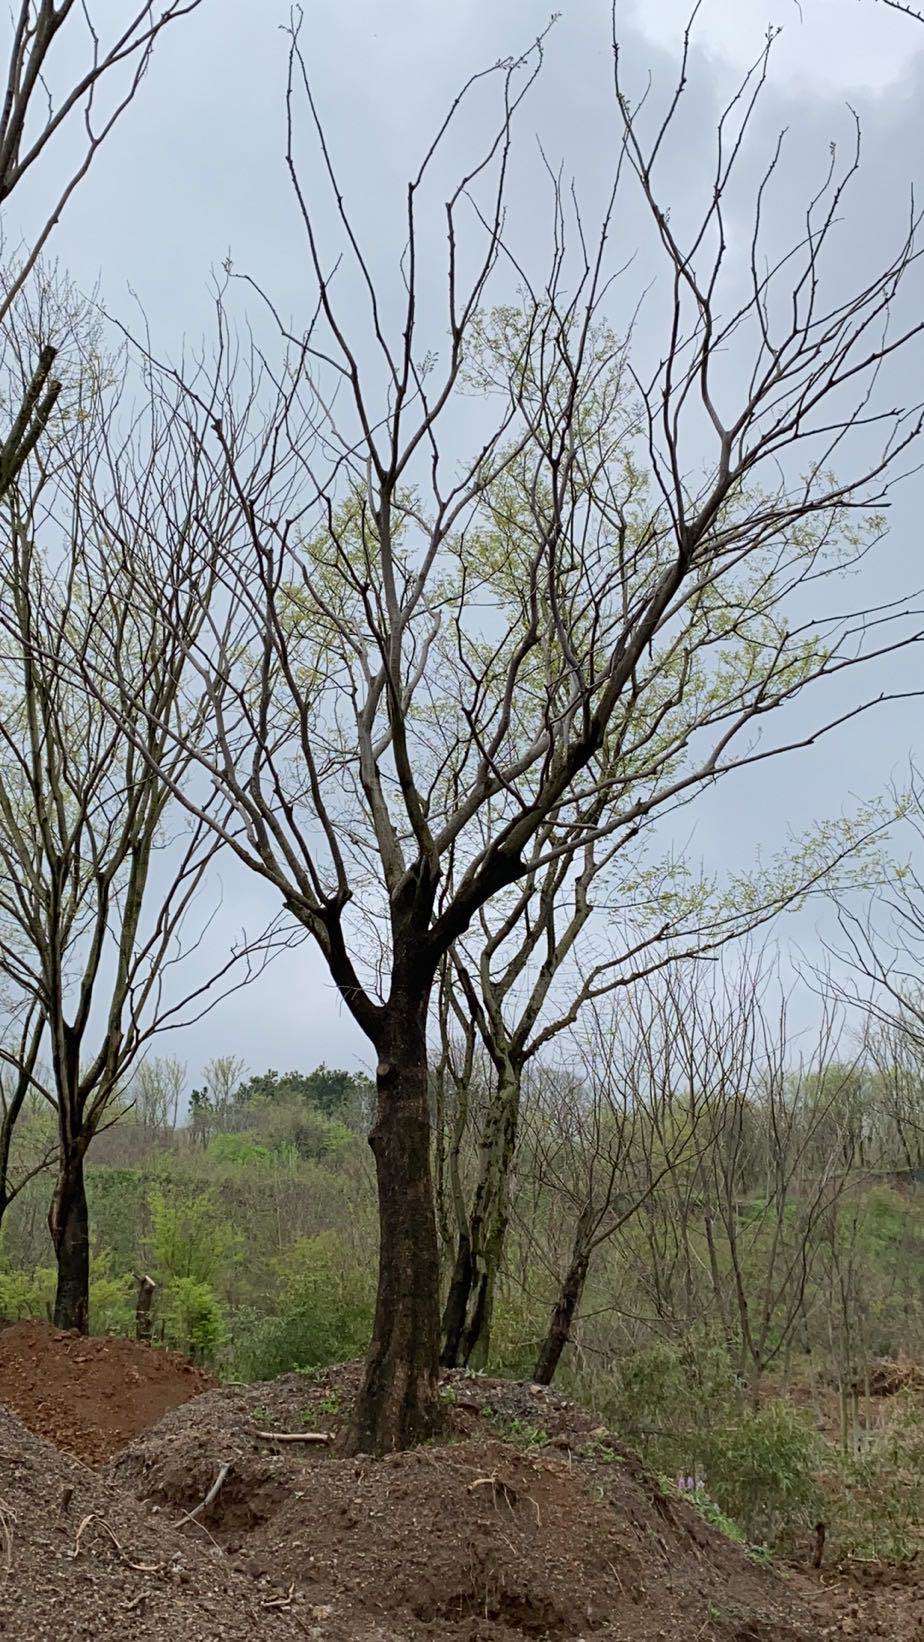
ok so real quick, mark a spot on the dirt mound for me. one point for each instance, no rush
(889, 1377)
(527, 1521)
(558, 1533)
(79, 1559)
(90, 1396)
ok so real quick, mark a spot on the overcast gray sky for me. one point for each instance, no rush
(196, 172)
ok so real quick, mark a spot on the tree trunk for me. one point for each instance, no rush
(455, 1309)
(68, 1222)
(398, 1404)
(10, 1117)
(6, 1136)
(144, 1320)
(564, 1310)
(469, 1308)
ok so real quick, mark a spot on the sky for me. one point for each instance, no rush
(195, 173)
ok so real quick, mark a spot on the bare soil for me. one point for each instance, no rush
(524, 1521)
(79, 1559)
(90, 1396)
(871, 1601)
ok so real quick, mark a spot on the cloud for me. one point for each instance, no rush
(828, 46)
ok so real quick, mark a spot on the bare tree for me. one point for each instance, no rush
(637, 1110)
(213, 1103)
(895, 1057)
(733, 1218)
(100, 870)
(36, 116)
(768, 1192)
(539, 956)
(19, 1053)
(875, 969)
(400, 707)
(881, 946)
(155, 1093)
(506, 990)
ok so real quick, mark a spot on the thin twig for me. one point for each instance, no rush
(210, 1497)
(7, 1520)
(136, 1567)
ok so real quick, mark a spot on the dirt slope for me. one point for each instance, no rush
(90, 1396)
(79, 1559)
(525, 1521)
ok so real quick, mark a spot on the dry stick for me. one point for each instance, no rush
(136, 1567)
(503, 1490)
(279, 1601)
(6, 1536)
(292, 1436)
(210, 1497)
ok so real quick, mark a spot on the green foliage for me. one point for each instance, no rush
(519, 1324)
(193, 1318)
(111, 1298)
(31, 1294)
(26, 1294)
(754, 1467)
(291, 1130)
(762, 1470)
(324, 1313)
(874, 1500)
(239, 1150)
(330, 1091)
(330, 1403)
(519, 1432)
(707, 1508)
(885, 1219)
(190, 1237)
(116, 1201)
(666, 1386)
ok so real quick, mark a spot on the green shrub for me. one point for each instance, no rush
(518, 1325)
(190, 1237)
(193, 1319)
(111, 1299)
(27, 1294)
(297, 1130)
(116, 1198)
(324, 1313)
(239, 1150)
(761, 1471)
(32, 1294)
(874, 1501)
(665, 1386)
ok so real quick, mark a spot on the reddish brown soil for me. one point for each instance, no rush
(90, 1396)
